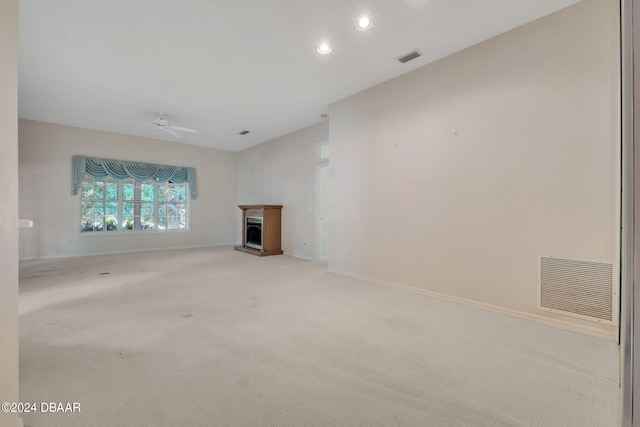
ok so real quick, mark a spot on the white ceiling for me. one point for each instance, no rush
(223, 66)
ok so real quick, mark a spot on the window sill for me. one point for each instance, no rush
(131, 233)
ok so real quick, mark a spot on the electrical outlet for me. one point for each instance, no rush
(408, 266)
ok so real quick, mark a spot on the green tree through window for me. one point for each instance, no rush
(129, 205)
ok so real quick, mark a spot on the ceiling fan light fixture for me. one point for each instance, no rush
(162, 124)
(364, 23)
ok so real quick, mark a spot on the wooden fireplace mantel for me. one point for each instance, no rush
(271, 229)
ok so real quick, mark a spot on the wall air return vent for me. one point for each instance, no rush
(409, 56)
(578, 288)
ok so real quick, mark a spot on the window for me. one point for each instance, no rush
(322, 151)
(109, 205)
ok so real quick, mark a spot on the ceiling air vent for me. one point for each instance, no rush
(409, 56)
(578, 288)
(243, 132)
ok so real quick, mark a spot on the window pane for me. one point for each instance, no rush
(91, 208)
(98, 224)
(162, 222)
(182, 209)
(163, 190)
(87, 224)
(87, 209)
(111, 223)
(98, 208)
(147, 192)
(128, 209)
(146, 209)
(112, 191)
(175, 216)
(176, 192)
(98, 190)
(127, 191)
(112, 209)
(147, 222)
(93, 190)
(87, 190)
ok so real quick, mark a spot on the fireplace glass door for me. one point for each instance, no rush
(254, 232)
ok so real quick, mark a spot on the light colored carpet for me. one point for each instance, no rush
(215, 337)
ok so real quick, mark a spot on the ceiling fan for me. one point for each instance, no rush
(162, 124)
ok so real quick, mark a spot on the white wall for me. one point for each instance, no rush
(9, 209)
(45, 173)
(282, 172)
(470, 167)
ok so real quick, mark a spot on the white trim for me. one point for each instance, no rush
(132, 251)
(318, 234)
(628, 221)
(585, 330)
(321, 162)
(294, 255)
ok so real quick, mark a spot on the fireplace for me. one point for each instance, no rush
(253, 229)
(260, 230)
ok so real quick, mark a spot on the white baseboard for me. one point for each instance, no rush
(556, 323)
(126, 251)
(291, 254)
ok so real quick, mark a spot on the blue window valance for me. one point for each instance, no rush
(121, 169)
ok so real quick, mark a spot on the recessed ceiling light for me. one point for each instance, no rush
(323, 49)
(364, 23)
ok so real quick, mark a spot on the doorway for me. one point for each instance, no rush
(322, 200)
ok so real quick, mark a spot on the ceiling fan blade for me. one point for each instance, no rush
(184, 129)
(172, 132)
